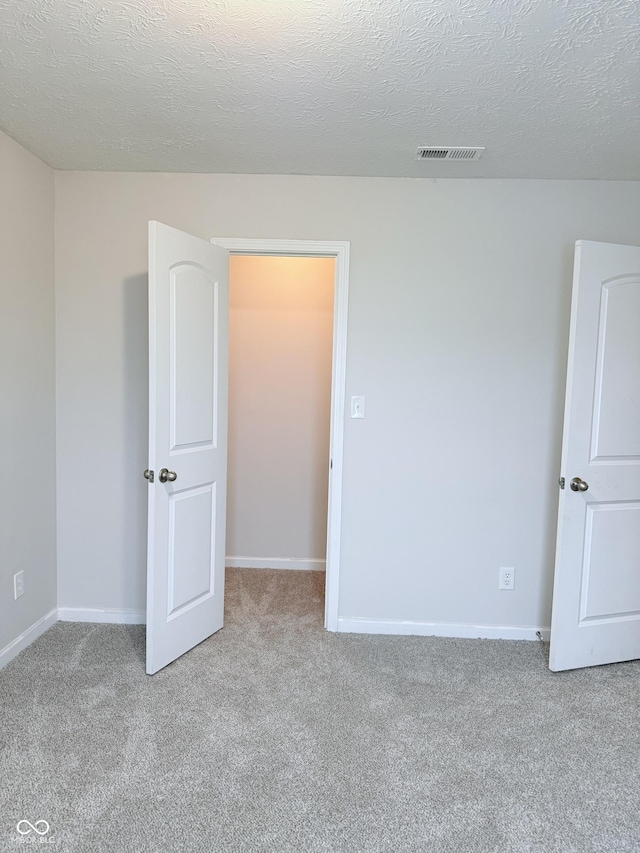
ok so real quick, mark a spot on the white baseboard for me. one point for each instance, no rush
(27, 637)
(441, 629)
(304, 565)
(112, 617)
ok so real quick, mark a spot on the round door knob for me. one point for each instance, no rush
(166, 476)
(578, 485)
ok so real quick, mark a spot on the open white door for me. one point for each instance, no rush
(188, 355)
(596, 594)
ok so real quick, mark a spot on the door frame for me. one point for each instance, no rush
(339, 250)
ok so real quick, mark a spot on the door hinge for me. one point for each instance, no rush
(561, 482)
(149, 475)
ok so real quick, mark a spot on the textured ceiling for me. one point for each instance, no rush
(550, 87)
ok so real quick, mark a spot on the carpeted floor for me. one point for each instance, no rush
(276, 736)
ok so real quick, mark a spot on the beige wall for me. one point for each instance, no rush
(27, 387)
(280, 342)
(458, 330)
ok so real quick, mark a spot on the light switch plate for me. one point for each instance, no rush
(357, 407)
(18, 585)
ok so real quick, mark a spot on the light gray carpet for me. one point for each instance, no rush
(276, 736)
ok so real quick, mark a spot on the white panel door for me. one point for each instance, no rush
(188, 365)
(596, 594)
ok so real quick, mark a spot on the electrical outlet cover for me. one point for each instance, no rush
(507, 578)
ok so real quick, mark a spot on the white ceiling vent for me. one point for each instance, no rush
(450, 153)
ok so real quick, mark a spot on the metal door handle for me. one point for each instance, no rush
(578, 485)
(148, 475)
(169, 476)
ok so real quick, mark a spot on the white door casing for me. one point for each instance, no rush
(188, 377)
(596, 595)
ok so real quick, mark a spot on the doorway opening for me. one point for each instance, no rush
(288, 313)
(280, 352)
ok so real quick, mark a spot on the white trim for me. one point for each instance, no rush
(302, 565)
(105, 616)
(358, 625)
(340, 251)
(12, 649)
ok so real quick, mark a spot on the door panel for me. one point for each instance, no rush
(616, 410)
(193, 361)
(612, 539)
(191, 572)
(188, 349)
(596, 598)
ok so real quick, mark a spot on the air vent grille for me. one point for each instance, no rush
(441, 153)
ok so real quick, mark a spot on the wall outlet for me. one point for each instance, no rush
(507, 577)
(18, 585)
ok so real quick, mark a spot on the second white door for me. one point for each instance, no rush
(596, 596)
